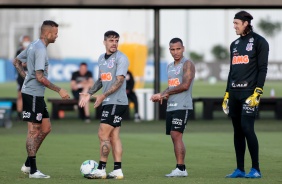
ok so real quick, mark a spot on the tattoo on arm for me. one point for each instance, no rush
(117, 84)
(188, 76)
(43, 80)
(166, 90)
(18, 65)
(97, 85)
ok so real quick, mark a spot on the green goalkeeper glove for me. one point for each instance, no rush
(225, 106)
(254, 99)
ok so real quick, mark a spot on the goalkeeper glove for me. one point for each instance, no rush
(225, 106)
(254, 99)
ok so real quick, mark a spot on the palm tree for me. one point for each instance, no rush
(270, 29)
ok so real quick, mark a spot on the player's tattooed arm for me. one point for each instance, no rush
(43, 80)
(165, 91)
(117, 84)
(18, 65)
(97, 85)
(188, 76)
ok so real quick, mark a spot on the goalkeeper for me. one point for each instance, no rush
(248, 68)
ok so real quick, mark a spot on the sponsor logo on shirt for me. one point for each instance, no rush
(239, 84)
(240, 60)
(173, 82)
(106, 76)
(172, 104)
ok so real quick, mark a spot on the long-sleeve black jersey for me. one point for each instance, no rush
(248, 62)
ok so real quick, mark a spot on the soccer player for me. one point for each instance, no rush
(248, 68)
(181, 73)
(113, 66)
(34, 107)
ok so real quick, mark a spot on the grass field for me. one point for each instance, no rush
(148, 153)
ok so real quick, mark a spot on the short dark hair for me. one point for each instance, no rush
(175, 40)
(245, 16)
(110, 34)
(83, 63)
(50, 23)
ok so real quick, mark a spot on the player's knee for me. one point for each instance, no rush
(48, 130)
(102, 136)
(175, 135)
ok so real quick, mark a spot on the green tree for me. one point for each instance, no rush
(219, 52)
(269, 28)
(194, 56)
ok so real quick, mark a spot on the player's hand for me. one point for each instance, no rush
(225, 106)
(99, 100)
(254, 99)
(156, 97)
(64, 94)
(84, 98)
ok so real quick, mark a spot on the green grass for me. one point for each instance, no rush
(148, 153)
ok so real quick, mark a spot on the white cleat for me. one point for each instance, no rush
(25, 169)
(97, 174)
(177, 173)
(38, 174)
(115, 174)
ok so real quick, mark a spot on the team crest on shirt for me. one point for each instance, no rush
(249, 47)
(177, 70)
(251, 40)
(111, 63)
(237, 41)
(39, 117)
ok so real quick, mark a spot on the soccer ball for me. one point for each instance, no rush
(87, 166)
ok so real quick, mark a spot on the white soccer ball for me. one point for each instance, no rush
(87, 166)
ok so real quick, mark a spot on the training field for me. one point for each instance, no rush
(148, 152)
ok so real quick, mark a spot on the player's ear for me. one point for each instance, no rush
(104, 42)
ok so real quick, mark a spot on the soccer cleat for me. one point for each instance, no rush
(115, 174)
(253, 174)
(25, 169)
(177, 173)
(236, 174)
(96, 174)
(38, 174)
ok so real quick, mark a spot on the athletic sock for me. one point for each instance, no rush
(32, 161)
(27, 163)
(102, 165)
(117, 165)
(181, 167)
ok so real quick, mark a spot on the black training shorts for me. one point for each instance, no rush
(237, 105)
(34, 108)
(177, 120)
(112, 114)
